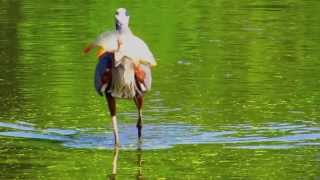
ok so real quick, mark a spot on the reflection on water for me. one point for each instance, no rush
(113, 175)
(139, 174)
(161, 136)
(139, 163)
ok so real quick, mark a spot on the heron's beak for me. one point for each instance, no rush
(122, 20)
(100, 51)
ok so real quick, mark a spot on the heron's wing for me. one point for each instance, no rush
(100, 69)
(108, 41)
(137, 50)
(148, 78)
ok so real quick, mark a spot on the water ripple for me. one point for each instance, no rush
(161, 136)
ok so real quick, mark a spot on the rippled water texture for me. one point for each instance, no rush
(235, 95)
(160, 136)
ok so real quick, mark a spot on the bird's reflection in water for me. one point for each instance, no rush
(113, 175)
(139, 163)
(139, 175)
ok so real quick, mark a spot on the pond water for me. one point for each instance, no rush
(235, 94)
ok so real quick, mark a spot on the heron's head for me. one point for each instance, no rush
(122, 18)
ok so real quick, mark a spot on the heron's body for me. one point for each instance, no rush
(122, 56)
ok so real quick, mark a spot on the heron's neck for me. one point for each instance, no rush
(124, 29)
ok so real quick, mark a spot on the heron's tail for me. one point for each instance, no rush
(123, 83)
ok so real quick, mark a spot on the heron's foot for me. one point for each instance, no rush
(139, 126)
(116, 142)
(116, 145)
(140, 140)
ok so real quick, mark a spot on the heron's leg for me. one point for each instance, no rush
(112, 109)
(139, 102)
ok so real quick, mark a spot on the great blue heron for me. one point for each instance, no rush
(124, 68)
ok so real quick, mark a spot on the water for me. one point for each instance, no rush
(235, 95)
(163, 136)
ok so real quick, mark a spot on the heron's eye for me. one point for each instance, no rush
(127, 14)
(117, 13)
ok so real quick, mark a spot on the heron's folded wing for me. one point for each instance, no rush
(134, 48)
(148, 78)
(100, 70)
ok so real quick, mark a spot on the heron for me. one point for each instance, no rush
(123, 69)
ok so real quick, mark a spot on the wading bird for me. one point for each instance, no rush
(123, 69)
